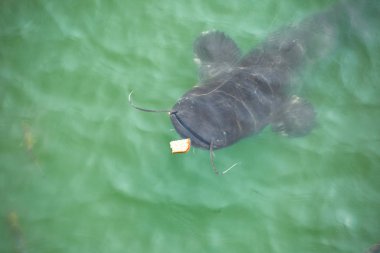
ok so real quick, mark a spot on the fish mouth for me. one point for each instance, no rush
(186, 132)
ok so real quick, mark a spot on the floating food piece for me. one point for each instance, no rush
(29, 140)
(180, 146)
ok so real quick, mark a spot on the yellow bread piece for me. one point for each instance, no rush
(180, 146)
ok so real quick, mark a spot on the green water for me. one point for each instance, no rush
(80, 171)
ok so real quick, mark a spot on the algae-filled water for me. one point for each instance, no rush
(81, 171)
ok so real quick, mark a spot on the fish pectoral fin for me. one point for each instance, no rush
(296, 119)
(215, 52)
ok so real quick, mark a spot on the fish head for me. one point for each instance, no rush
(198, 118)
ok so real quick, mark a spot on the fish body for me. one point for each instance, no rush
(239, 96)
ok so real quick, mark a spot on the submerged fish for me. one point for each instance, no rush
(238, 96)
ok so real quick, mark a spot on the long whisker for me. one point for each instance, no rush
(212, 160)
(213, 164)
(233, 165)
(143, 109)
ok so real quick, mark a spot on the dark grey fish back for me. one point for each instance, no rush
(284, 52)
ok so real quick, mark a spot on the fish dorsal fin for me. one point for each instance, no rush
(215, 52)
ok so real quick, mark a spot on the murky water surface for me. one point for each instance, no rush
(80, 171)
